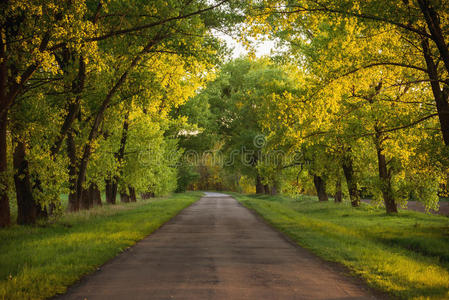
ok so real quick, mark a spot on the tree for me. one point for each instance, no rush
(79, 58)
(343, 54)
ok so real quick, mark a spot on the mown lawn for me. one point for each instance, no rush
(406, 255)
(40, 261)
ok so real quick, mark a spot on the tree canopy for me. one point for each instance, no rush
(139, 98)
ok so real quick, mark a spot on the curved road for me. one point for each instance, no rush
(216, 249)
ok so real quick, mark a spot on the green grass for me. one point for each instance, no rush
(41, 261)
(406, 255)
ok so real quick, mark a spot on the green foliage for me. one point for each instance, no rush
(74, 72)
(186, 176)
(233, 112)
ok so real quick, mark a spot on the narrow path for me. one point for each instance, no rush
(216, 249)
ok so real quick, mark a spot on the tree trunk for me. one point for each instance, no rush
(5, 214)
(338, 197)
(73, 105)
(266, 189)
(27, 209)
(384, 174)
(124, 197)
(132, 194)
(385, 181)
(434, 26)
(348, 170)
(147, 195)
(42, 212)
(440, 95)
(120, 155)
(111, 191)
(259, 185)
(86, 199)
(320, 186)
(95, 194)
(8, 94)
(87, 149)
(5, 217)
(274, 188)
(74, 203)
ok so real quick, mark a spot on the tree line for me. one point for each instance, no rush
(358, 88)
(87, 88)
(93, 99)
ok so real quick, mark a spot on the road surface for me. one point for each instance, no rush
(217, 249)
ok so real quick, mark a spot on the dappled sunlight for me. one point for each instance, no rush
(331, 116)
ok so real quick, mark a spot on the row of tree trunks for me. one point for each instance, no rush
(129, 195)
(265, 188)
(90, 197)
(147, 195)
(10, 89)
(98, 119)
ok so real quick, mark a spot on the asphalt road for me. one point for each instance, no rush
(217, 249)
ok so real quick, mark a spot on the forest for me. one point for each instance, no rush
(116, 116)
(135, 99)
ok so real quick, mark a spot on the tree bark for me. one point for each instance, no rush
(338, 197)
(320, 186)
(95, 194)
(120, 155)
(441, 95)
(111, 191)
(348, 170)
(266, 189)
(73, 107)
(434, 26)
(9, 90)
(259, 185)
(147, 195)
(27, 209)
(274, 188)
(124, 197)
(74, 202)
(5, 217)
(86, 199)
(132, 194)
(385, 177)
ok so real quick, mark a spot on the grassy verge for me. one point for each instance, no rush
(405, 255)
(39, 262)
